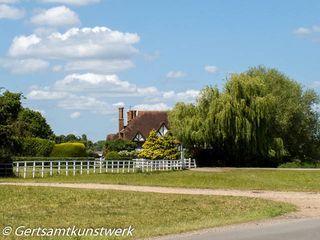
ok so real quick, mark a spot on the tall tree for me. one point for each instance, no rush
(32, 124)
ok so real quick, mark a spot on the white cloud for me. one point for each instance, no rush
(72, 2)
(56, 17)
(43, 94)
(176, 74)
(24, 66)
(109, 85)
(211, 69)
(154, 107)
(307, 30)
(9, 12)
(84, 43)
(99, 66)
(75, 115)
(84, 103)
(9, 1)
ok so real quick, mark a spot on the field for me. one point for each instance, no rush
(150, 214)
(243, 179)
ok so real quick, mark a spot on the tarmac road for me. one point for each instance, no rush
(300, 229)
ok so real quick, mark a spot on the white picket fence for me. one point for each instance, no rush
(66, 167)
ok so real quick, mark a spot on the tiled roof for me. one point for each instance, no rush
(144, 123)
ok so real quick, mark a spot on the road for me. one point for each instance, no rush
(300, 229)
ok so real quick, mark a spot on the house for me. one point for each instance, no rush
(140, 124)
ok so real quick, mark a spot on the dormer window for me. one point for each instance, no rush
(162, 130)
(138, 138)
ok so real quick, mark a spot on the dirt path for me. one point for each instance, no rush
(307, 202)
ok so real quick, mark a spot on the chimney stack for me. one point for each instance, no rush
(121, 120)
(131, 115)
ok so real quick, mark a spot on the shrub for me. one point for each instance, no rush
(35, 147)
(128, 155)
(112, 155)
(68, 150)
(299, 164)
(119, 145)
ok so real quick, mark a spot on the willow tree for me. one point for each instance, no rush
(236, 122)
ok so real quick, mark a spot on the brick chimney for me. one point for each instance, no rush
(121, 120)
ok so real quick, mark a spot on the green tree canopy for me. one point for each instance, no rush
(32, 124)
(260, 116)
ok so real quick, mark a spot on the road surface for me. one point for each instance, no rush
(300, 229)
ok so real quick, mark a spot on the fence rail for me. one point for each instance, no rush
(78, 167)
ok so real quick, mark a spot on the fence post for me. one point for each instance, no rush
(112, 166)
(88, 167)
(59, 167)
(25, 170)
(17, 169)
(106, 166)
(94, 166)
(67, 172)
(34, 169)
(50, 168)
(42, 169)
(74, 168)
(118, 166)
(81, 167)
(100, 166)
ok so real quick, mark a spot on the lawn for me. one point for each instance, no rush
(253, 179)
(150, 214)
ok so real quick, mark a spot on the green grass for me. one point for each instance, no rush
(244, 179)
(151, 214)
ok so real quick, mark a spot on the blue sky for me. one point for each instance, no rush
(76, 61)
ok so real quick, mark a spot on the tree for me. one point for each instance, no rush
(261, 117)
(10, 105)
(157, 147)
(32, 124)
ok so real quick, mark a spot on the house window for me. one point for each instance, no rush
(162, 130)
(138, 138)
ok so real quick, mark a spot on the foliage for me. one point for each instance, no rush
(260, 118)
(69, 150)
(119, 145)
(299, 164)
(32, 124)
(157, 147)
(73, 138)
(112, 155)
(36, 147)
(10, 105)
(124, 154)
(51, 158)
(99, 145)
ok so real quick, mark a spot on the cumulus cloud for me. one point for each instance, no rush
(75, 115)
(46, 94)
(211, 68)
(176, 74)
(9, 12)
(97, 42)
(109, 85)
(24, 66)
(56, 17)
(154, 107)
(84, 103)
(72, 2)
(97, 49)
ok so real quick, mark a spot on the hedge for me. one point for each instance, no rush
(52, 158)
(69, 150)
(36, 147)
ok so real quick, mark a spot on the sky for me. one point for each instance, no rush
(77, 61)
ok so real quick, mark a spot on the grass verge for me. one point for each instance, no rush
(150, 214)
(243, 179)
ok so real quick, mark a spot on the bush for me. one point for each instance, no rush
(36, 147)
(51, 158)
(128, 155)
(68, 150)
(299, 164)
(119, 145)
